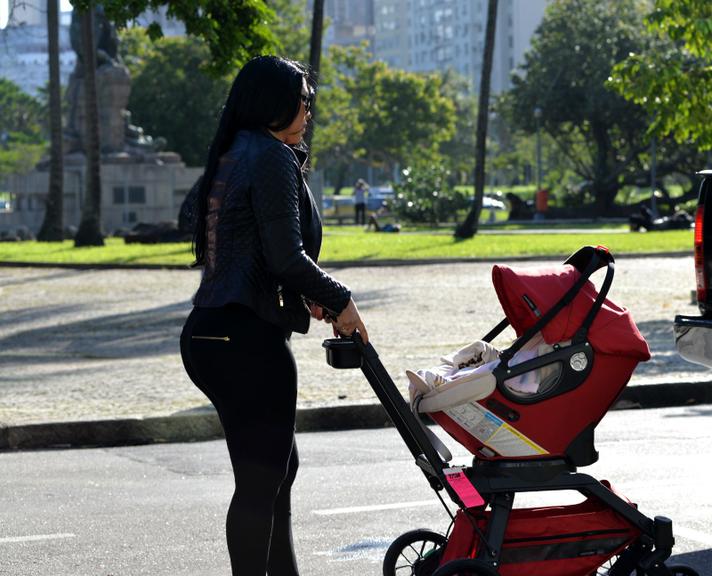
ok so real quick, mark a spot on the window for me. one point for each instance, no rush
(137, 195)
(118, 195)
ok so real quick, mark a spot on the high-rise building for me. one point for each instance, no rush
(23, 43)
(350, 22)
(23, 53)
(28, 12)
(435, 35)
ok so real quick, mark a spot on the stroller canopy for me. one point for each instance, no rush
(527, 294)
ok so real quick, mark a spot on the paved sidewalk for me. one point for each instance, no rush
(91, 356)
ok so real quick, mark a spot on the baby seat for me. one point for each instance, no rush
(544, 395)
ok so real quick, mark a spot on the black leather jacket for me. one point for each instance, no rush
(264, 236)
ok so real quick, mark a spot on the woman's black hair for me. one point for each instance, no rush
(265, 94)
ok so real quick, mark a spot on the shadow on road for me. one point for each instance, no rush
(148, 332)
(700, 560)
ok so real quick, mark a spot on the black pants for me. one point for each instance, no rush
(245, 367)
(360, 213)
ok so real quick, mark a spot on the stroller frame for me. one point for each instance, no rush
(498, 481)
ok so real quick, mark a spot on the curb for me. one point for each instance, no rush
(340, 264)
(203, 424)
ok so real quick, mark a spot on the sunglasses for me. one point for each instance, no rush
(308, 101)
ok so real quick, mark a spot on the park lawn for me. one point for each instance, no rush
(352, 244)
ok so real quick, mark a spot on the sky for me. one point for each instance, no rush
(64, 6)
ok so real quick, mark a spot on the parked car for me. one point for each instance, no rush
(693, 334)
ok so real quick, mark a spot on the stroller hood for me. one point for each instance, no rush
(527, 294)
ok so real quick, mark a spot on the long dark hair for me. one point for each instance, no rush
(265, 94)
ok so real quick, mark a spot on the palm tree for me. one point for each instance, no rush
(469, 227)
(52, 229)
(315, 56)
(89, 232)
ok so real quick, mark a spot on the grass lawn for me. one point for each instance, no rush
(344, 243)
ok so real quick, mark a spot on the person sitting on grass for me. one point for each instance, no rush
(376, 219)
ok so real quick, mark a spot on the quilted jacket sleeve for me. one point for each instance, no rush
(275, 200)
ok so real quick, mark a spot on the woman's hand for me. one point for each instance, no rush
(349, 320)
(316, 311)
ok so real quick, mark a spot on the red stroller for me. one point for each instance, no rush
(528, 438)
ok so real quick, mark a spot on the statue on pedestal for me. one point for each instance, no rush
(116, 133)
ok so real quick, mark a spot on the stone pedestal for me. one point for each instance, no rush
(113, 85)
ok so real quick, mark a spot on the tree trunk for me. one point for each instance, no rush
(314, 67)
(600, 185)
(89, 233)
(53, 225)
(341, 172)
(469, 227)
(315, 60)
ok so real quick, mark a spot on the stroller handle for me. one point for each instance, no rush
(582, 258)
(586, 260)
(351, 352)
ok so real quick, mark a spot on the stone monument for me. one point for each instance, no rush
(113, 82)
(141, 182)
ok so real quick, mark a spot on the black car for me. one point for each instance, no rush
(693, 334)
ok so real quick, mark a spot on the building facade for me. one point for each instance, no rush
(24, 59)
(436, 35)
(132, 192)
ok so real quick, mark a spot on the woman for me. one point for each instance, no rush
(257, 237)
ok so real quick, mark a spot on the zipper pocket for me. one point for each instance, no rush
(221, 338)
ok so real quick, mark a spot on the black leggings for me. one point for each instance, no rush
(245, 367)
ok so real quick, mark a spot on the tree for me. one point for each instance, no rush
(89, 232)
(167, 67)
(317, 30)
(52, 229)
(459, 150)
(672, 77)
(234, 30)
(376, 114)
(602, 134)
(21, 119)
(469, 227)
(290, 29)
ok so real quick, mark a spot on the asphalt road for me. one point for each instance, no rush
(159, 509)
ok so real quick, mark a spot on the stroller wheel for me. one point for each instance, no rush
(415, 553)
(680, 570)
(466, 568)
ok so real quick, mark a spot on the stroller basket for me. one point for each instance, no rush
(569, 540)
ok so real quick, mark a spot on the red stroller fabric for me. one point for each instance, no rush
(551, 426)
(524, 292)
(571, 540)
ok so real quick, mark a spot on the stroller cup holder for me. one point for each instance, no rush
(342, 353)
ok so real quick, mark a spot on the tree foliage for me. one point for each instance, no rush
(22, 138)
(371, 112)
(425, 193)
(565, 73)
(672, 78)
(172, 94)
(233, 30)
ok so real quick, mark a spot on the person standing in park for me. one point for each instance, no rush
(257, 239)
(360, 189)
